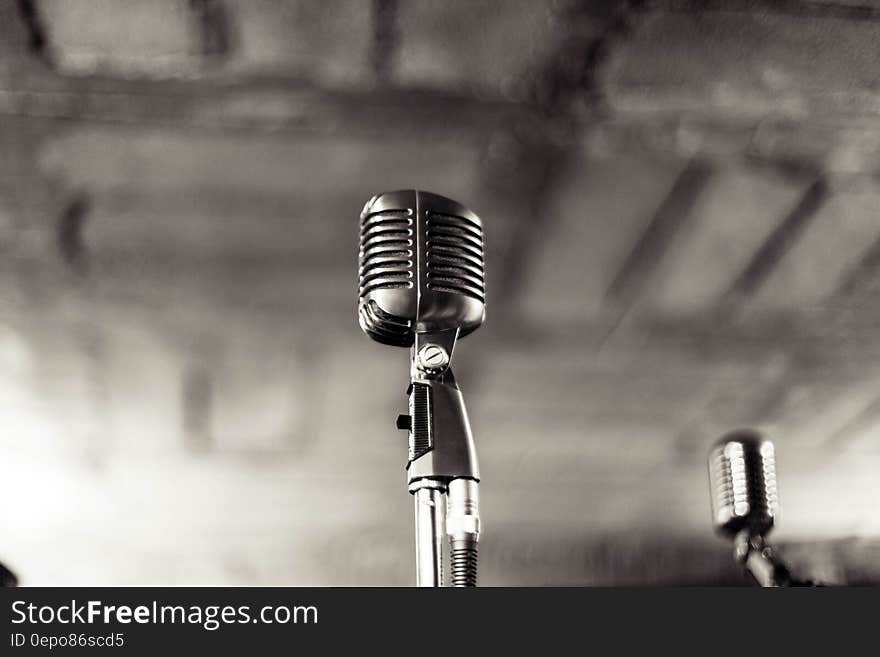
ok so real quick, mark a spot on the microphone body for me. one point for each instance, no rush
(742, 475)
(421, 267)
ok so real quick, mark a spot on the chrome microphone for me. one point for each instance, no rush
(745, 502)
(421, 285)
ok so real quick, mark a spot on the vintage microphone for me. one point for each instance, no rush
(745, 503)
(421, 286)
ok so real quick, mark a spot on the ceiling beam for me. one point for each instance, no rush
(779, 241)
(668, 219)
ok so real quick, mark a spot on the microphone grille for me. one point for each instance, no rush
(420, 267)
(386, 253)
(742, 477)
(454, 255)
(385, 262)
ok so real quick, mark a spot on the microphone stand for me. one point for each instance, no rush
(442, 470)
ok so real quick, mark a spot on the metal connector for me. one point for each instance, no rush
(463, 529)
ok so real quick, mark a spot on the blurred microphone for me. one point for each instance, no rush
(742, 476)
(745, 503)
(421, 267)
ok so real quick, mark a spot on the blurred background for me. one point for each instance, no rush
(682, 212)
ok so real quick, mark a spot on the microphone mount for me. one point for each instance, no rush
(442, 469)
(761, 562)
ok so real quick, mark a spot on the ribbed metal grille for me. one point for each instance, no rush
(386, 251)
(454, 255)
(743, 480)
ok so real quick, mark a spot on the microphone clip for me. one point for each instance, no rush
(441, 445)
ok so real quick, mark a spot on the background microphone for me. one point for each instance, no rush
(742, 476)
(745, 503)
(420, 267)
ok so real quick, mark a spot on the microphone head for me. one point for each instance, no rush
(420, 267)
(742, 476)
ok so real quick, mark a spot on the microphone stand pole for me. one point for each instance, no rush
(442, 470)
